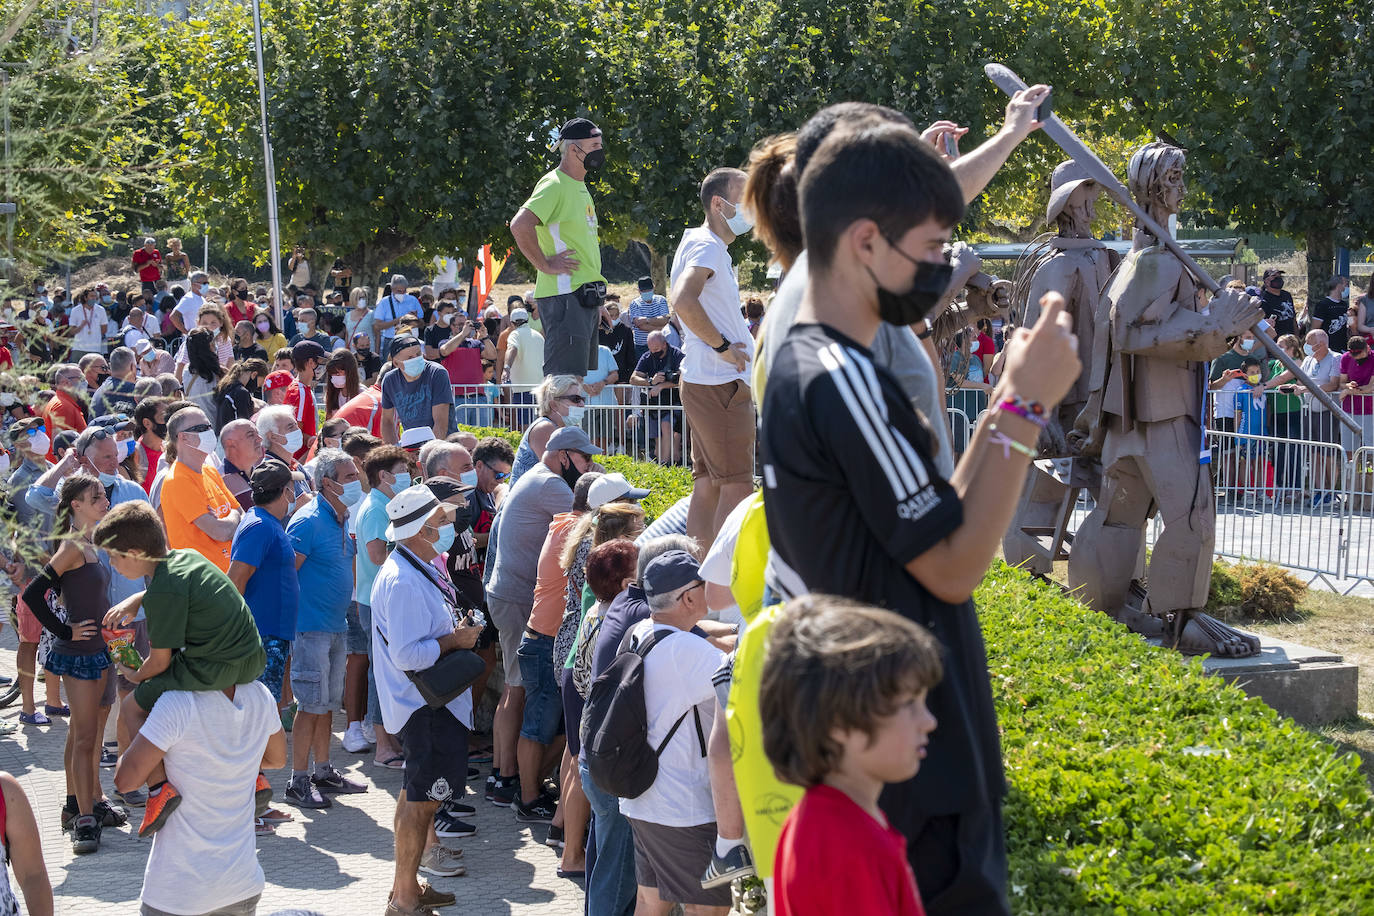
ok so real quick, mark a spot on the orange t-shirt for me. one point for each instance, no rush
(551, 584)
(186, 496)
(62, 412)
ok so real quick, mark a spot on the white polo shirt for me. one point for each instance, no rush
(701, 365)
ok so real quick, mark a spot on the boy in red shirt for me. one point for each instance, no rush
(307, 356)
(843, 701)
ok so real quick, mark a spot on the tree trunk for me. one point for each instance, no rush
(1321, 263)
(371, 256)
(658, 270)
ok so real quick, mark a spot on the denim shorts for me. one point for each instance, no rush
(543, 701)
(82, 667)
(274, 673)
(317, 671)
(359, 619)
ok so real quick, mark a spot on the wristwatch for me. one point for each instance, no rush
(724, 344)
(926, 331)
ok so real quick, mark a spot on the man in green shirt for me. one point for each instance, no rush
(556, 230)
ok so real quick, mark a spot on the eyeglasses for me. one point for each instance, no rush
(198, 428)
(683, 594)
(575, 398)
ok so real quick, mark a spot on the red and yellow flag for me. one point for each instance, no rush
(487, 273)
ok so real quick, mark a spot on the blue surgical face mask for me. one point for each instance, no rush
(413, 366)
(445, 541)
(1308, 349)
(402, 483)
(468, 478)
(352, 492)
(647, 295)
(741, 222)
(1247, 345)
(108, 480)
(126, 448)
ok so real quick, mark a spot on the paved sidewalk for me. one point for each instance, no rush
(336, 862)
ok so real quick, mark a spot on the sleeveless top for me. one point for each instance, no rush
(86, 595)
(525, 458)
(151, 457)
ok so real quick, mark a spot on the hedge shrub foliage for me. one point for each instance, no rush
(668, 485)
(1138, 784)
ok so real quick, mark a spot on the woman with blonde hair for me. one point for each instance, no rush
(560, 401)
(358, 317)
(175, 261)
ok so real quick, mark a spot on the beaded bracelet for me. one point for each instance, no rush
(997, 437)
(1033, 411)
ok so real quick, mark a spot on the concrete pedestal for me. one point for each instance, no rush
(1312, 686)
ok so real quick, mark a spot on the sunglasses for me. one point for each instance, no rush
(575, 398)
(500, 476)
(198, 428)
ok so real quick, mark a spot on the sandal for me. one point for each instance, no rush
(394, 762)
(34, 718)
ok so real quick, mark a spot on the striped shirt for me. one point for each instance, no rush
(655, 308)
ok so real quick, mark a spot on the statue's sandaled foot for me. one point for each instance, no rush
(1203, 634)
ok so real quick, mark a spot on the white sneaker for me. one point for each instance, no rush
(354, 741)
(370, 733)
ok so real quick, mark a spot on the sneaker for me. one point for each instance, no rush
(736, 864)
(353, 740)
(555, 838)
(69, 815)
(442, 862)
(370, 733)
(334, 781)
(108, 758)
(85, 834)
(63, 711)
(448, 825)
(539, 811)
(473, 773)
(160, 806)
(491, 784)
(110, 815)
(458, 809)
(262, 796)
(34, 718)
(304, 795)
(503, 795)
(135, 799)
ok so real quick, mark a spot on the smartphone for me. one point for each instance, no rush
(1045, 109)
(951, 146)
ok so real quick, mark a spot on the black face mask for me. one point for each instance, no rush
(160, 430)
(100, 377)
(1276, 283)
(927, 288)
(594, 160)
(570, 474)
(493, 326)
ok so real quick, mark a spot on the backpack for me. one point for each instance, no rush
(616, 734)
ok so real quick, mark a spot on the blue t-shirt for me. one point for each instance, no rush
(393, 307)
(1251, 411)
(605, 365)
(414, 401)
(272, 592)
(370, 526)
(325, 577)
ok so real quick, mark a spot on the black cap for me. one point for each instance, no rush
(269, 475)
(307, 349)
(401, 343)
(579, 129)
(445, 487)
(646, 283)
(669, 572)
(1273, 272)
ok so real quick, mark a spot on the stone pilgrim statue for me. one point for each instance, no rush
(1144, 416)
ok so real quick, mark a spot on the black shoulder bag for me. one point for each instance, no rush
(453, 673)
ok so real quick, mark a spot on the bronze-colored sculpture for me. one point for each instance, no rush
(1077, 266)
(1145, 407)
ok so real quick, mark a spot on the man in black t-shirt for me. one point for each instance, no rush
(659, 372)
(1330, 314)
(618, 338)
(1277, 303)
(854, 502)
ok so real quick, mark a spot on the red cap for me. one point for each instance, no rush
(279, 379)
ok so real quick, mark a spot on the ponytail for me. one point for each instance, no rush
(771, 195)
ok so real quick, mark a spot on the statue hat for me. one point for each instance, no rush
(1068, 177)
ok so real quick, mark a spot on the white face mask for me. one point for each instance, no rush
(1247, 345)
(338, 381)
(205, 441)
(40, 443)
(741, 222)
(294, 441)
(445, 318)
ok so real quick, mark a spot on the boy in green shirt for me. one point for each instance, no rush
(202, 634)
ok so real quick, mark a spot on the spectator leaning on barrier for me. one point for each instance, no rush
(1357, 392)
(414, 624)
(1323, 367)
(717, 349)
(556, 230)
(417, 394)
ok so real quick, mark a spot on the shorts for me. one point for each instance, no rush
(317, 671)
(201, 674)
(243, 908)
(359, 620)
(30, 630)
(274, 672)
(570, 334)
(543, 703)
(722, 422)
(435, 745)
(1323, 426)
(510, 618)
(145, 648)
(673, 859)
(90, 667)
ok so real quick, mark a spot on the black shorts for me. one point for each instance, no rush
(1323, 427)
(435, 745)
(960, 862)
(672, 860)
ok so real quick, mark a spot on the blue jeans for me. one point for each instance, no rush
(543, 701)
(611, 856)
(471, 410)
(360, 643)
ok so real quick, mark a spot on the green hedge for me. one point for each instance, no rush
(667, 485)
(1138, 784)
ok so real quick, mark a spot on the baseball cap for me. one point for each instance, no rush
(573, 439)
(409, 509)
(269, 475)
(610, 487)
(669, 572)
(113, 421)
(579, 129)
(645, 284)
(402, 343)
(416, 436)
(143, 348)
(518, 316)
(278, 379)
(307, 349)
